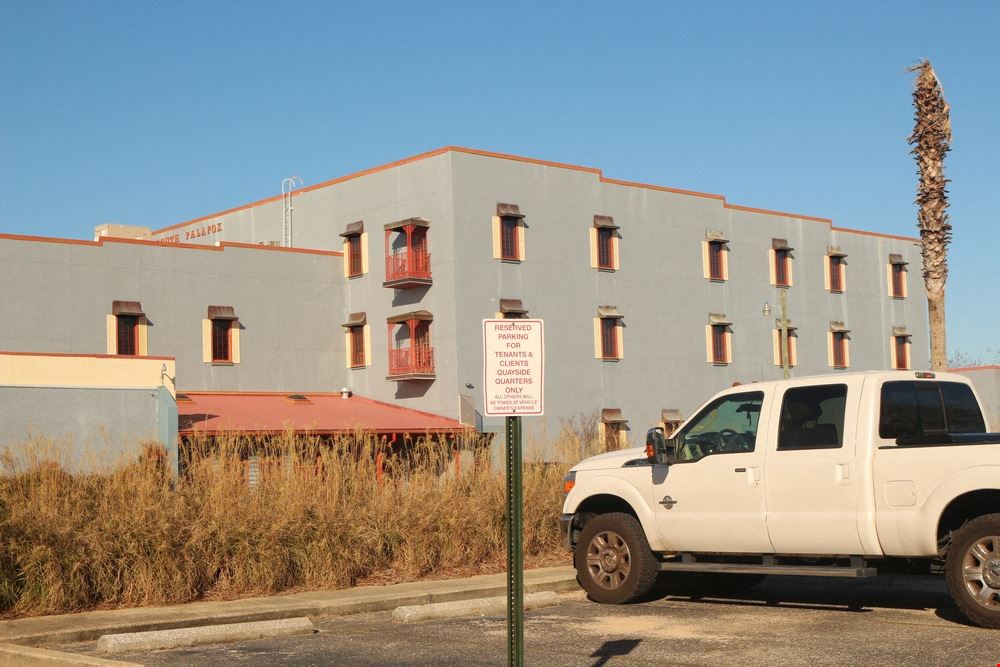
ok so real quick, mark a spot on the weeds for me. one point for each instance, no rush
(322, 513)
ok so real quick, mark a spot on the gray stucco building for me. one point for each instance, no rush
(653, 298)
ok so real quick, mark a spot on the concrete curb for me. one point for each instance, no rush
(12, 655)
(316, 604)
(464, 608)
(209, 634)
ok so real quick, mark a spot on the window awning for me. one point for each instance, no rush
(835, 251)
(788, 325)
(609, 312)
(422, 315)
(897, 259)
(613, 416)
(416, 222)
(356, 320)
(715, 236)
(719, 319)
(605, 222)
(838, 327)
(901, 331)
(512, 306)
(509, 210)
(221, 313)
(671, 415)
(780, 244)
(127, 308)
(354, 228)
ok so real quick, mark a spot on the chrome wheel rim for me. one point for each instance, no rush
(981, 571)
(609, 560)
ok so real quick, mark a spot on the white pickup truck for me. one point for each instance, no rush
(839, 475)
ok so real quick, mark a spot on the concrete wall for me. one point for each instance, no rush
(57, 297)
(86, 428)
(660, 289)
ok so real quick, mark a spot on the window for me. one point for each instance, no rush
(127, 328)
(608, 325)
(791, 350)
(614, 429)
(508, 233)
(835, 273)
(407, 262)
(221, 336)
(917, 410)
(897, 277)
(355, 250)
(357, 340)
(900, 351)
(716, 259)
(781, 263)
(727, 425)
(411, 356)
(220, 340)
(715, 256)
(838, 349)
(718, 340)
(605, 248)
(813, 417)
(604, 240)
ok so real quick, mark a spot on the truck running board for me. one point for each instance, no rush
(857, 569)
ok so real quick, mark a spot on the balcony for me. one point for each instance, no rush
(411, 363)
(410, 268)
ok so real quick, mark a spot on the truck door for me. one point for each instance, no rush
(712, 498)
(813, 476)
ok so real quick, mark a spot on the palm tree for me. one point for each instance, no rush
(931, 141)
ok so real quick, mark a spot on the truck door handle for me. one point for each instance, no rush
(740, 470)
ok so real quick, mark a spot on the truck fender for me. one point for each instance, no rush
(607, 485)
(976, 478)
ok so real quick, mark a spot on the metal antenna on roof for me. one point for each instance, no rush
(287, 185)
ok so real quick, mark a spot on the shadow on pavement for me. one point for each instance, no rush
(613, 649)
(849, 595)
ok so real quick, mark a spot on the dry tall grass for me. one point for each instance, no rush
(317, 517)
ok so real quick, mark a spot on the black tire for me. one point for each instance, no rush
(614, 563)
(972, 570)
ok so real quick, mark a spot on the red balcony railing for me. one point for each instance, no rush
(416, 360)
(408, 266)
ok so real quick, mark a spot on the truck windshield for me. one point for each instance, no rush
(913, 409)
(727, 425)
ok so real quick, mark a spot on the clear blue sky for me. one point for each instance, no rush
(152, 113)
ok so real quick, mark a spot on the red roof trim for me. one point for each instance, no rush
(974, 368)
(164, 244)
(82, 356)
(545, 163)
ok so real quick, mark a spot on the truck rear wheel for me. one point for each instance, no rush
(973, 570)
(614, 563)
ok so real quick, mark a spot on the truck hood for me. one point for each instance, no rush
(611, 459)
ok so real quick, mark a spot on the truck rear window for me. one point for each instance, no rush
(914, 409)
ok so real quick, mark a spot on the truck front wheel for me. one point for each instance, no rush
(973, 570)
(613, 561)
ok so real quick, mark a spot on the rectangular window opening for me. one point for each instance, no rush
(781, 272)
(839, 349)
(716, 260)
(898, 280)
(609, 338)
(509, 242)
(357, 346)
(354, 261)
(605, 248)
(127, 335)
(720, 353)
(221, 348)
(836, 273)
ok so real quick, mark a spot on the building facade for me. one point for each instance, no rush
(653, 298)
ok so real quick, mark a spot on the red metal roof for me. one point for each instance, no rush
(212, 413)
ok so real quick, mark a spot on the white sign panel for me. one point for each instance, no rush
(513, 367)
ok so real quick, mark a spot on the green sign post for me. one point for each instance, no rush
(515, 553)
(513, 380)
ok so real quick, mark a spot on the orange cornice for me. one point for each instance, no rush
(81, 356)
(545, 163)
(974, 368)
(163, 244)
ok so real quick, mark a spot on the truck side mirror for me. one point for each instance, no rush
(658, 448)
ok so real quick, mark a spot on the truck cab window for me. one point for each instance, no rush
(813, 417)
(727, 425)
(913, 409)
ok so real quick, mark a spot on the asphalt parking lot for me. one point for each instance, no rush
(782, 621)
